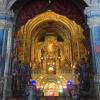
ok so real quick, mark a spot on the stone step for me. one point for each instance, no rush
(51, 98)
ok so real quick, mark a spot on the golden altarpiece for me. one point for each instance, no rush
(52, 44)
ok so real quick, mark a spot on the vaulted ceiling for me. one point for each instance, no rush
(19, 3)
(27, 9)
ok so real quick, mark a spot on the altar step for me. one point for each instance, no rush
(52, 98)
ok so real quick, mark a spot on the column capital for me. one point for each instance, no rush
(93, 16)
(6, 4)
(92, 11)
(92, 2)
(6, 14)
(93, 22)
(6, 17)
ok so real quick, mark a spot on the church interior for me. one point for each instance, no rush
(51, 42)
(50, 38)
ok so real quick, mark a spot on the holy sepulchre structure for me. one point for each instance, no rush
(52, 44)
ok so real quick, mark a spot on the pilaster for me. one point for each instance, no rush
(6, 25)
(93, 20)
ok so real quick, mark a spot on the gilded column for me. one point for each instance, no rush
(78, 49)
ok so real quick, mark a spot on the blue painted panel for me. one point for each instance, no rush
(98, 63)
(5, 17)
(95, 43)
(1, 43)
(96, 36)
(4, 52)
(1, 39)
(93, 52)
